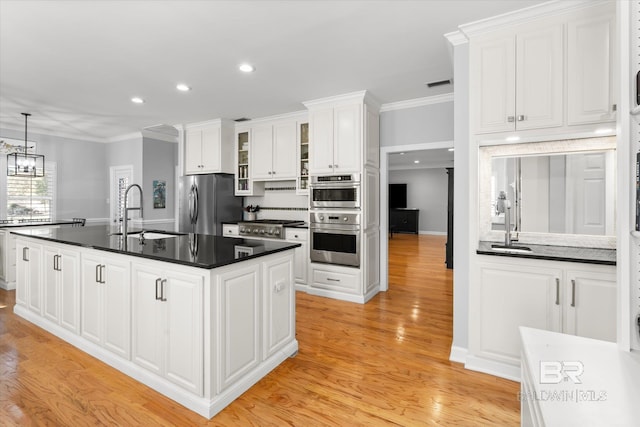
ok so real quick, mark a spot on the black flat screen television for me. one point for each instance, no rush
(397, 196)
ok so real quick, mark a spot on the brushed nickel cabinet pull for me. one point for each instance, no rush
(511, 119)
(162, 283)
(521, 118)
(98, 273)
(25, 254)
(158, 280)
(557, 291)
(573, 292)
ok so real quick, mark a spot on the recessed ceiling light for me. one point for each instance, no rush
(402, 154)
(416, 161)
(512, 138)
(183, 87)
(451, 149)
(137, 100)
(246, 68)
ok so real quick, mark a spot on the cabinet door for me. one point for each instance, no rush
(539, 77)
(22, 276)
(4, 247)
(69, 285)
(494, 79)
(183, 348)
(91, 297)
(262, 152)
(321, 141)
(50, 284)
(285, 151)
(34, 267)
(147, 319)
(211, 150)
(590, 53)
(301, 258)
(279, 293)
(590, 305)
(193, 151)
(239, 328)
(117, 307)
(514, 296)
(347, 138)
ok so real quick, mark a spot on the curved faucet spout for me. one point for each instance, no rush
(127, 209)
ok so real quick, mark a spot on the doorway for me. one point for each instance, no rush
(119, 178)
(411, 152)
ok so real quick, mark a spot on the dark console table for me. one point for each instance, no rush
(403, 220)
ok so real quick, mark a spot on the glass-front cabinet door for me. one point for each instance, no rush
(303, 159)
(243, 183)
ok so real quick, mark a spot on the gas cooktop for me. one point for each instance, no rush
(266, 228)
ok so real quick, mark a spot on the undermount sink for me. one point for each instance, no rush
(149, 235)
(511, 248)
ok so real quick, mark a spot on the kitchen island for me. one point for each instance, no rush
(198, 318)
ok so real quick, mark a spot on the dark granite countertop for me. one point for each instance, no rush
(304, 225)
(194, 250)
(37, 223)
(555, 253)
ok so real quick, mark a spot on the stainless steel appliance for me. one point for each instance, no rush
(265, 228)
(335, 191)
(335, 238)
(206, 201)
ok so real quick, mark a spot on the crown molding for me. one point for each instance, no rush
(418, 102)
(297, 115)
(456, 38)
(523, 15)
(357, 96)
(125, 137)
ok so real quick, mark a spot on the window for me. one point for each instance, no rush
(32, 198)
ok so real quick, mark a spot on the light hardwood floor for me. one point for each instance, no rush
(383, 363)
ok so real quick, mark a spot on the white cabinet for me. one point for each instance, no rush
(167, 324)
(278, 305)
(29, 275)
(273, 151)
(335, 139)
(334, 280)
(61, 286)
(7, 260)
(230, 230)
(209, 148)
(303, 159)
(239, 329)
(106, 301)
(590, 304)
(590, 67)
(299, 235)
(572, 298)
(519, 79)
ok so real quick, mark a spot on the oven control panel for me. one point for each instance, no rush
(335, 218)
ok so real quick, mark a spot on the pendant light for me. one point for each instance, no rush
(25, 164)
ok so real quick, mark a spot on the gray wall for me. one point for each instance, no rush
(82, 175)
(427, 191)
(427, 123)
(159, 163)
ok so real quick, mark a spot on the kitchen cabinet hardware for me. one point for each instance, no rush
(25, 254)
(333, 280)
(97, 273)
(557, 291)
(521, 117)
(511, 119)
(163, 282)
(573, 292)
(158, 280)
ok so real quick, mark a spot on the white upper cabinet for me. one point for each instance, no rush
(590, 56)
(273, 151)
(518, 80)
(336, 139)
(209, 148)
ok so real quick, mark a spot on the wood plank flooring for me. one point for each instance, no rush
(383, 363)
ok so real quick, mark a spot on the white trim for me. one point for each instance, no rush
(296, 115)
(498, 369)
(458, 354)
(417, 102)
(432, 233)
(448, 164)
(523, 15)
(125, 137)
(456, 38)
(359, 96)
(384, 187)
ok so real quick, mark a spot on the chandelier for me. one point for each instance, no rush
(21, 163)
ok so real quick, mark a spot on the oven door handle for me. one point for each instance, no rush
(336, 229)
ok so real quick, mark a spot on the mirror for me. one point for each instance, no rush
(565, 193)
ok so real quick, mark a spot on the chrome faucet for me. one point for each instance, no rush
(127, 209)
(504, 206)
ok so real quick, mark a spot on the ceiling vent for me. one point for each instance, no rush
(242, 119)
(439, 83)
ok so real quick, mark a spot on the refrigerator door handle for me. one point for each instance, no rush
(196, 204)
(191, 203)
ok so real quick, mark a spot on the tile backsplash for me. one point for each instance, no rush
(280, 201)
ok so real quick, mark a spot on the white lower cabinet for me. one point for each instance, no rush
(334, 278)
(106, 302)
(61, 286)
(278, 305)
(29, 275)
(167, 323)
(572, 298)
(299, 235)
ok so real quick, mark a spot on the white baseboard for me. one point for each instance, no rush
(458, 354)
(7, 286)
(498, 369)
(433, 233)
(336, 295)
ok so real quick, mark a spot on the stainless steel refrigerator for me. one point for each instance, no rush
(206, 201)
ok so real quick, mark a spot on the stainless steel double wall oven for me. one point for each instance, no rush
(335, 220)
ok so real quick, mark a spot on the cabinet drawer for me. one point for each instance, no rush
(331, 280)
(296, 234)
(230, 230)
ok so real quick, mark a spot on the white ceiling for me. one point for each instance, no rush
(76, 64)
(427, 159)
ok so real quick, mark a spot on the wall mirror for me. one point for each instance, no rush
(559, 191)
